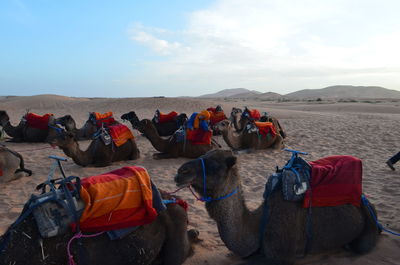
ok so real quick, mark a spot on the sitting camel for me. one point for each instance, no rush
(84, 133)
(168, 128)
(22, 132)
(97, 154)
(171, 147)
(248, 139)
(11, 165)
(164, 241)
(284, 235)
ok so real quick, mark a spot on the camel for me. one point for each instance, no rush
(284, 235)
(164, 241)
(22, 132)
(84, 133)
(97, 154)
(246, 139)
(168, 148)
(11, 165)
(170, 127)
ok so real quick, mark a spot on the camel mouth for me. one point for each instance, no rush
(182, 182)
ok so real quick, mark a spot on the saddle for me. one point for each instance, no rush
(253, 114)
(100, 120)
(36, 121)
(119, 134)
(160, 117)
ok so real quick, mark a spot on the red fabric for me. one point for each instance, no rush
(36, 121)
(199, 137)
(120, 133)
(216, 116)
(254, 114)
(118, 199)
(1, 172)
(335, 180)
(266, 128)
(105, 119)
(162, 118)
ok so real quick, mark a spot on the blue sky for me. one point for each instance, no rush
(173, 48)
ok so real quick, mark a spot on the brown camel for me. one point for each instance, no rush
(164, 241)
(11, 165)
(170, 147)
(246, 139)
(97, 154)
(22, 132)
(169, 128)
(84, 133)
(284, 235)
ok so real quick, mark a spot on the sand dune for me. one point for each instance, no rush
(368, 131)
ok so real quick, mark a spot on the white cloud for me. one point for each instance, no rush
(280, 45)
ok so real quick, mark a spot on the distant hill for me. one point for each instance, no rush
(344, 91)
(226, 93)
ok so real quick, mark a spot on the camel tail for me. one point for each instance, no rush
(21, 162)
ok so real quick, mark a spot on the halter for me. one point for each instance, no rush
(205, 198)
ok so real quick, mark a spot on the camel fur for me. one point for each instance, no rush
(168, 148)
(285, 232)
(164, 241)
(11, 165)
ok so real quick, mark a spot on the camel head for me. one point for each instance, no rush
(235, 114)
(133, 118)
(4, 118)
(219, 169)
(223, 125)
(67, 121)
(60, 137)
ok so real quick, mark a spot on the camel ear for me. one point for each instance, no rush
(230, 161)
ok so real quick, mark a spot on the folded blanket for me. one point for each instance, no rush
(107, 119)
(265, 128)
(120, 133)
(216, 117)
(199, 137)
(162, 117)
(36, 121)
(117, 199)
(335, 180)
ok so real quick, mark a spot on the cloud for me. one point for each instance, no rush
(277, 45)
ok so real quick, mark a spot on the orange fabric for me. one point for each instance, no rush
(217, 117)
(36, 121)
(199, 137)
(120, 133)
(107, 118)
(117, 199)
(167, 117)
(266, 128)
(203, 115)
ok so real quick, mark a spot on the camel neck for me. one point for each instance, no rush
(237, 225)
(232, 140)
(158, 143)
(10, 130)
(80, 157)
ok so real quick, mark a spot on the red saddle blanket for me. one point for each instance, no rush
(118, 199)
(162, 118)
(120, 133)
(216, 116)
(36, 121)
(266, 128)
(199, 136)
(107, 119)
(335, 180)
(254, 114)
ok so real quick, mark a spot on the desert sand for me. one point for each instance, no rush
(365, 130)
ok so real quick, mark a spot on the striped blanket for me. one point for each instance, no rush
(265, 128)
(107, 119)
(36, 121)
(117, 199)
(120, 133)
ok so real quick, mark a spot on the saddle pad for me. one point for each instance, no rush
(199, 137)
(107, 119)
(266, 128)
(254, 114)
(118, 199)
(216, 117)
(120, 133)
(335, 180)
(167, 117)
(36, 121)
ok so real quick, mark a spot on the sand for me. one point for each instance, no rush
(369, 131)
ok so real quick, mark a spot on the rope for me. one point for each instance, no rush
(76, 236)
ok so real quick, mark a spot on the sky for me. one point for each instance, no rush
(130, 48)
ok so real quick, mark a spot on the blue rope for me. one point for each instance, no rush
(379, 225)
(209, 199)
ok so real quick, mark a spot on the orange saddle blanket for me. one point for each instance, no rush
(118, 199)
(162, 117)
(199, 136)
(36, 121)
(253, 113)
(105, 119)
(120, 133)
(266, 128)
